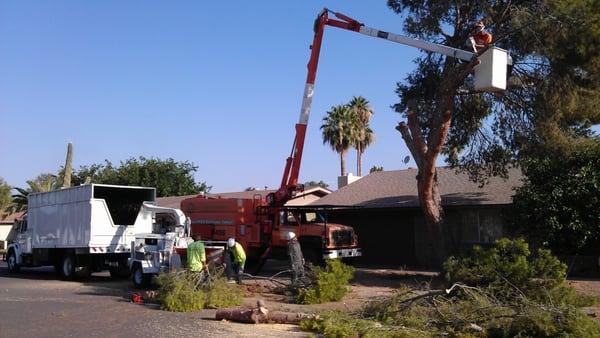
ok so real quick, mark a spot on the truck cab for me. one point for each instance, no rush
(319, 238)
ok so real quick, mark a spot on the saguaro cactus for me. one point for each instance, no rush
(68, 166)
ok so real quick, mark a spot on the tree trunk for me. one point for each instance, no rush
(359, 160)
(342, 163)
(426, 151)
(425, 155)
(262, 315)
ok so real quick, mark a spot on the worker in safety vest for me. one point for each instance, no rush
(480, 37)
(238, 259)
(196, 255)
(296, 258)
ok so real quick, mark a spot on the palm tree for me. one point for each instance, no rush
(359, 106)
(337, 129)
(42, 183)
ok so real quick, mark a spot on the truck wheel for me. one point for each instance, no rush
(84, 272)
(67, 267)
(120, 271)
(138, 277)
(314, 256)
(12, 261)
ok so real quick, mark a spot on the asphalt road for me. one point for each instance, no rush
(35, 303)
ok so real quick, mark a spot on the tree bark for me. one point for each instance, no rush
(427, 184)
(359, 160)
(255, 316)
(342, 163)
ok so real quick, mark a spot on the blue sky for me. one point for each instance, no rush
(215, 83)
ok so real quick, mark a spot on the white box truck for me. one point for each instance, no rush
(83, 229)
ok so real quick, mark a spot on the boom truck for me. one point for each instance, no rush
(260, 224)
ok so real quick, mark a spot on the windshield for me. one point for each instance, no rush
(313, 217)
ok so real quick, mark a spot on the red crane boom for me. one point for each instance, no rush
(289, 182)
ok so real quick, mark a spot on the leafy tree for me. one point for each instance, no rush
(359, 106)
(170, 178)
(554, 46)
(375, 169)
(557, 204)
(316, 184)
(5, 198)
(337, 130)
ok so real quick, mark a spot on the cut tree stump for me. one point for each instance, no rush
(260, 314)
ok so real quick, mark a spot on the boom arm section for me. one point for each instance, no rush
(289, 181)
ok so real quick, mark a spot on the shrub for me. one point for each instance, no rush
(183, 292)
(177, 292)
(338, 324)
(509, 269)
(503, 291)
(329, 284)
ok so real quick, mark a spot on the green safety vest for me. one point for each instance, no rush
(195, 256)
(239, 256)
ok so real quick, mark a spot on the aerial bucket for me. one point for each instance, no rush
(490, 73)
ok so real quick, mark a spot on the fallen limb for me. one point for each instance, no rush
(271, 279)
(260, 314)
(241, 315)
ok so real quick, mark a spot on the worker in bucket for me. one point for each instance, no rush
(237, 258)
(196, 256)
(480, 37)
(296, 258)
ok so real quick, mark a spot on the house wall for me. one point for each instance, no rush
(396, 236)
(303, 200)
(5, 232)
(386, 236)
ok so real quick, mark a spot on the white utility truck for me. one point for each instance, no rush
(83, 229)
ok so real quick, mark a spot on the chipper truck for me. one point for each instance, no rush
(84, 229)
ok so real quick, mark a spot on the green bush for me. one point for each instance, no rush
(177, 292)
(338, 324)
(503, 291)
(509, 269)
(183, 292)
(330, 284)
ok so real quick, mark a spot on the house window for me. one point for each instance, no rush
(481, 225)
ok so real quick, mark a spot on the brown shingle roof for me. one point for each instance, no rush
(10, 218)
(398, 189)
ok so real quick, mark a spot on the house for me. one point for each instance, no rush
(6, 229)
(384, 209)
(307, 196)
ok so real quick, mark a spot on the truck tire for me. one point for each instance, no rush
(67, 267)
(313, 255)
(12, 262)
(120, 271)
(138, 277)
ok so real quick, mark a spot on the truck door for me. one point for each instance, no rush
(23, 236)
(287, 222)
